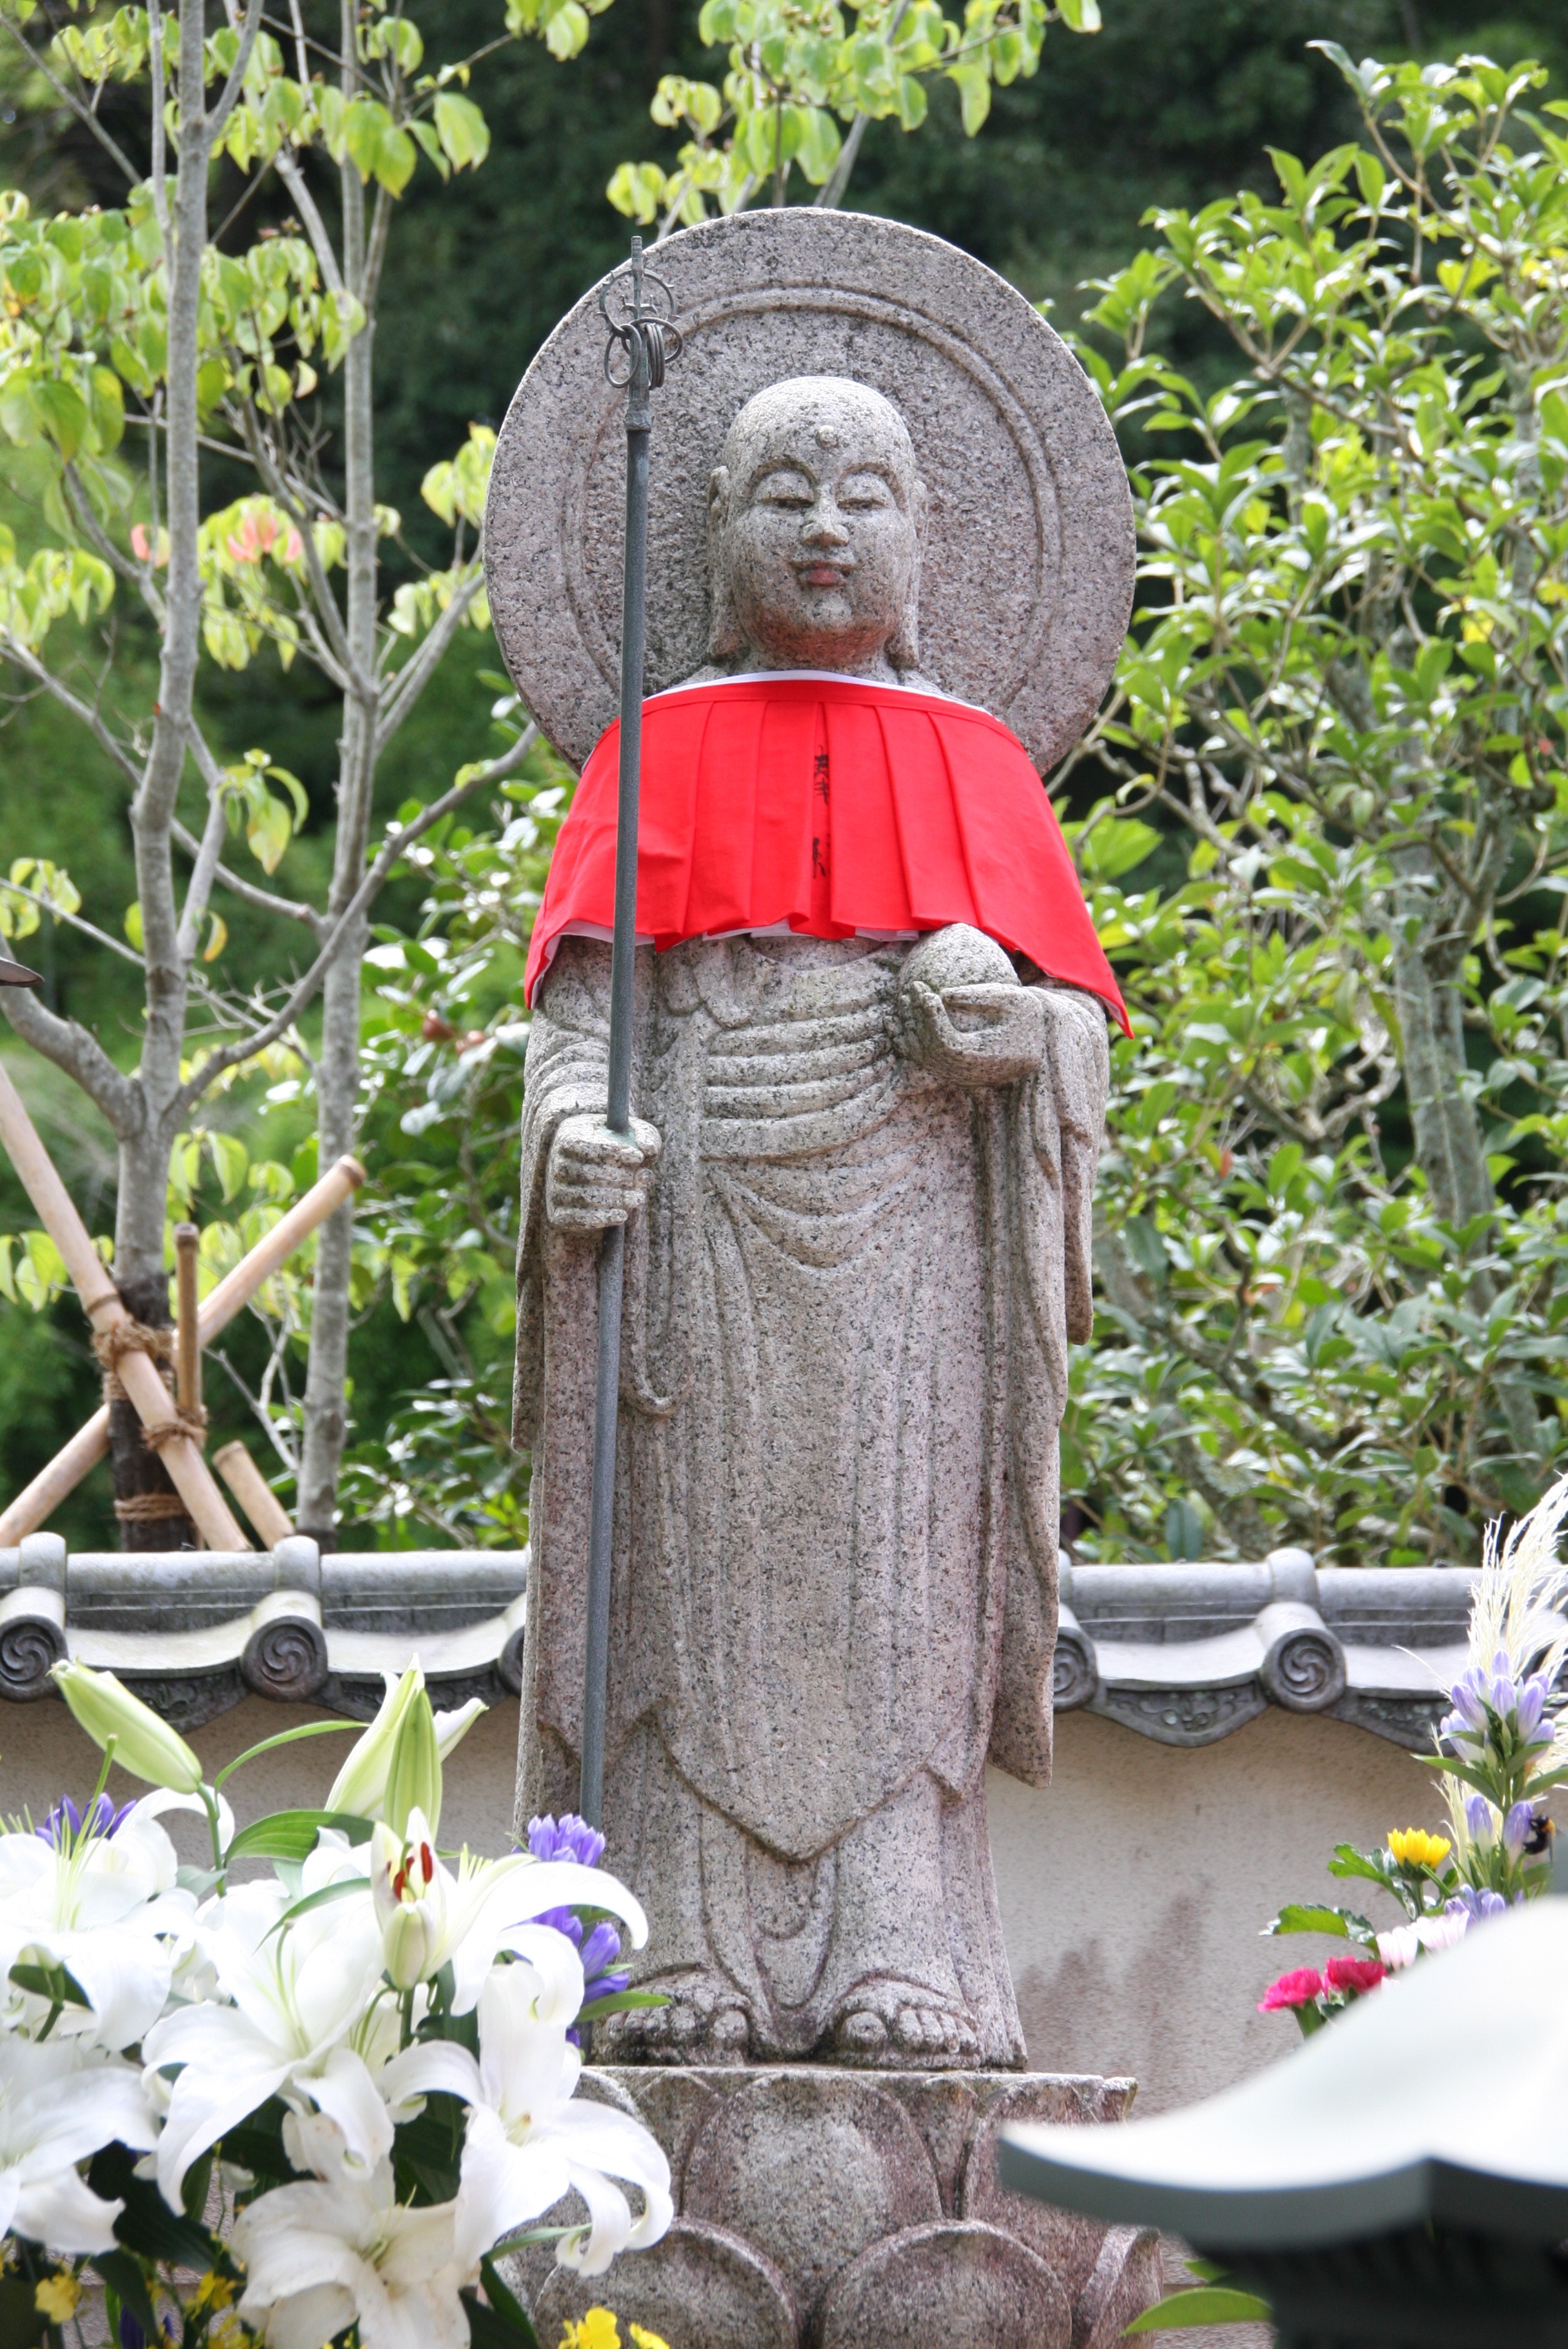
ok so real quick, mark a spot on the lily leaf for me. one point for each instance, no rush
(1211, 2304)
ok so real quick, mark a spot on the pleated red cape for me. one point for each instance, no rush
(828, 806)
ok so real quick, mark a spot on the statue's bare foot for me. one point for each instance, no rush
(896, 2025)
(704, 2023)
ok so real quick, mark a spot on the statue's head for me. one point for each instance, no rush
(814, 516)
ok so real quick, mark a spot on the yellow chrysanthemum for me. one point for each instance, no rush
(597, 2330)
(643, 2339)
(1414, 1848)
(57, 2297)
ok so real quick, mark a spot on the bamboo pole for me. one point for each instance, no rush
(254, 1494)
(101, 1301)
(36, 1503)
(188, 1358)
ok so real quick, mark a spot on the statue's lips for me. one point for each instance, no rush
(823, 574)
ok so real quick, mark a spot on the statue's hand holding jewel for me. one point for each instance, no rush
(597, 1177)
(962, 1015)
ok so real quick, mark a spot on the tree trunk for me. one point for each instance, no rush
(337, 1067)
(1445, 1129)
(142, 1204)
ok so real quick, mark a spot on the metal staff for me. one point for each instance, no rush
(637, 307)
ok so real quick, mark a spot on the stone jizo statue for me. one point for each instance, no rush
(858, 1196)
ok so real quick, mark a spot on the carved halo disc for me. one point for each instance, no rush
(1026, 575)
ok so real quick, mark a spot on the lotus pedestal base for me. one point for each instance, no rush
(820, 2209)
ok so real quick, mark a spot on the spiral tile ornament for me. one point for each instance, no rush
(1305, 1670)
(285, 1659)
(1076, 1673)
(30, 1646)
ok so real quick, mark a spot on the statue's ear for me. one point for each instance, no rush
(724, 639)
(903, 647)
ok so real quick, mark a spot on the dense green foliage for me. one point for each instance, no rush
(1232, 1267)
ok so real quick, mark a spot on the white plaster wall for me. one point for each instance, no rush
(1133, 1888)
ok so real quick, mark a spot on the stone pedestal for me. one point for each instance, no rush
(820, 2209)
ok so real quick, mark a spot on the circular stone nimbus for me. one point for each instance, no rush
(1027, 559)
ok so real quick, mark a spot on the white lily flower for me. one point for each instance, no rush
(334, 2251)
(432, 1918)
(309, 2017)
(529, 2143)
(98, 1897)
(59, 2102)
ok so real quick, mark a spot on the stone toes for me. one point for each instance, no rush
(864, 2032)
(730, 2028)
(681, 2022)
(909, 2027)
(940, 2030)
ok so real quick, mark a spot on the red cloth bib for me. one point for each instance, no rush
(830, 807)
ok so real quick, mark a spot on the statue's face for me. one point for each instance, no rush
(815, 509)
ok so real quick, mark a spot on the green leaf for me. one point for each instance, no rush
(620, 2002)
(292, 1834)
(506, 2304)
(64, 414)
(53, 1983)
(1212, 2303)
(463, 129)
(1294, 1918)
(22, 2321)
(285, 1737)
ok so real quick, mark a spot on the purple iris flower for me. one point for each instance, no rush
(1476, 1906)
(66, 1824)
(1478, 1818)
(1532, 1704)
(568, 1837)
(598, 1952)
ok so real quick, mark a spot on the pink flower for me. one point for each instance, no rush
(141, 546)
(1298, 1989)
(1356, 1974)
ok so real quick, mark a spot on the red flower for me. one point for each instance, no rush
(1354, 1973)
(1298, 1989)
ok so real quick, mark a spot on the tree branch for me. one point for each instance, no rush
(410, 682)
(83, 113)
(72, 1048)
(229, 1056)
(30, 666)
(89, 929)
(263, 900)
(212, 125)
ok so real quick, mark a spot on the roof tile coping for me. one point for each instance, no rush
(1184, 1654)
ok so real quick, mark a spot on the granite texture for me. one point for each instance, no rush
(848, 1312)
(816, 2207)
(1028, 566)
(858, 1196)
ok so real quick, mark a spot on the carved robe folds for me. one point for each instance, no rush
(843, 1371)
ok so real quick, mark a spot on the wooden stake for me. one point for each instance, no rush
(192, 1477)
(254, 1494)
(188, 1361)
(36, 1502)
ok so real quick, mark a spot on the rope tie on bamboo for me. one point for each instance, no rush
(142, 1507)
(111, 1346)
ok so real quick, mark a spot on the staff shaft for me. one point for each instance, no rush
(618, 1104)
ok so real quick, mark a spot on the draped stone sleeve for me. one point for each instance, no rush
(1053, 1125)
(564, 1076)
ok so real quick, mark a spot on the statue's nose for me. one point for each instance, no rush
(824, 526)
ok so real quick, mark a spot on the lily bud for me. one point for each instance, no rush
(410, 1897)
(414, 1772)
(360, 1785)
(143, 1743)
